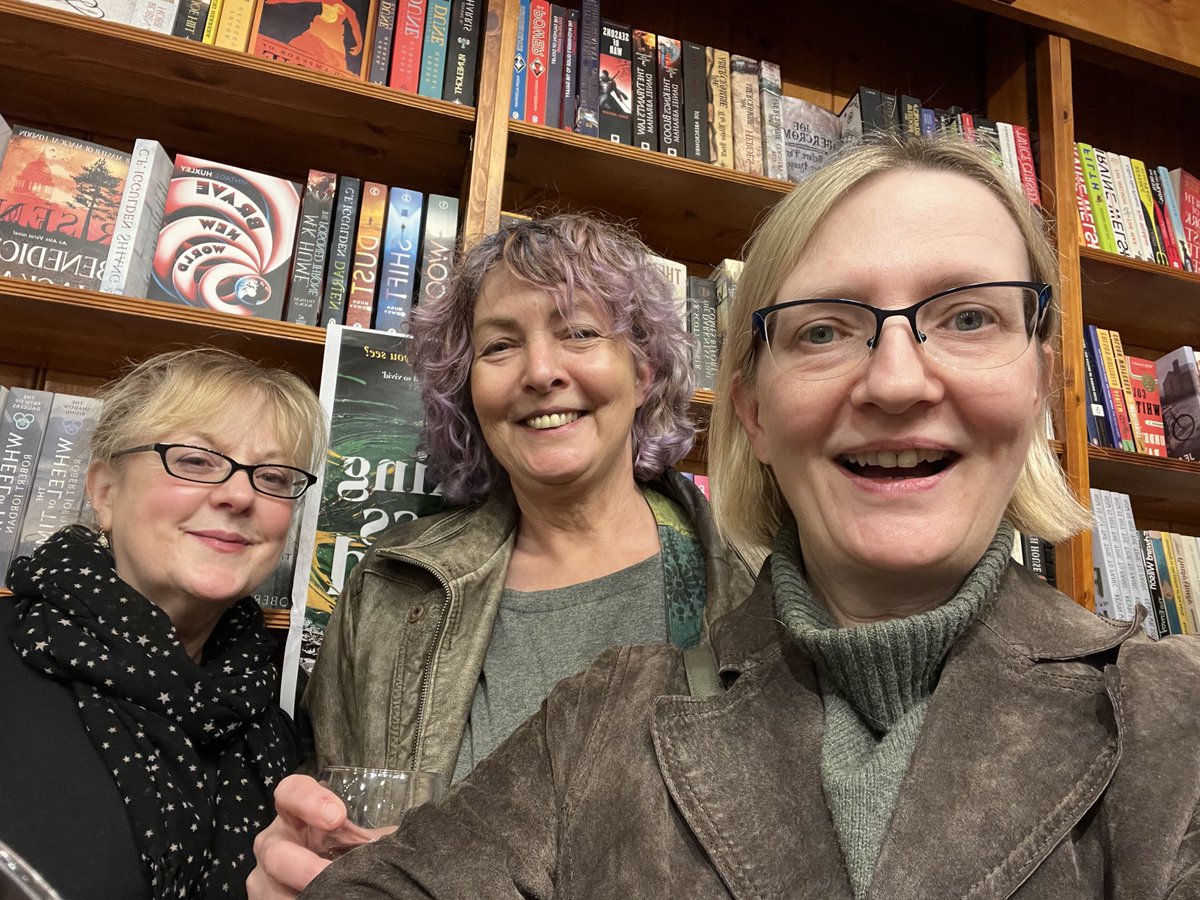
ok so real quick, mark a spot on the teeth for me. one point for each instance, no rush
(889, 459)
(552, 420)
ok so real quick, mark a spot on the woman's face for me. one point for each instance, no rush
(893, 241)
(555, 399)
(180, 543)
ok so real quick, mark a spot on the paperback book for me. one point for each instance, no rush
(405, 74)
(312, 247)
(1179, 385)
(130, 261)
(22, 427)
(327, 37)
(341, 252)
(398, 275)
(437, 247)
(616, 83)
(810, 134)
(364, 273)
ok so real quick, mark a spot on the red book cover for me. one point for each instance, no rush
(1187, 194)
(1091, 237)
(1143, 382)
(406, 48)
(226, 240)
(967, 122)
(326, 36)
(364, 278)
(537, 53)
(1025, 163)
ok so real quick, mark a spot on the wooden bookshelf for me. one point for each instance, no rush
(1162, 490)
(1151, 305)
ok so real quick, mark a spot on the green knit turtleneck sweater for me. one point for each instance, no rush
(876, 682)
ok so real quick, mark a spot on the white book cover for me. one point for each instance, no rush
(1140, 229)
(130, 261)
(1137, 569)
(1187, 547)
(774, 150)
(1102, 572)
(155, 15)
(810, 134)
(1008, 152)
(676, 274)
(1115, 545)
(120, 11)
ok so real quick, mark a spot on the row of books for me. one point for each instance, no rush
(1156, 570)
(1141, 405)
(1035, 554)
(43, 466)
(427, 47)
(1136, 210)
(209, 235)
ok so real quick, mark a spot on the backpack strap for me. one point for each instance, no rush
(701, 667)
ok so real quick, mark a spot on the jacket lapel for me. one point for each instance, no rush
(1015, 748)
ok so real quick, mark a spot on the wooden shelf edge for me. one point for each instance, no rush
(1123, 263)
(1143, 461)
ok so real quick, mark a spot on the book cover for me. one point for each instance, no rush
(929, 122)
(702, 295)
(383, 36)
(1131, 206)
(1025, 164)
(1008, 153)
(1097, 417)
(326, 37)
(1176, 618)
(695, 101)
(645, 93)
(1189, 582)
(862, 115)
(554, 71)
(1087, 222)
(1095, 191)
(1091, 343)
(616, 82)
(1183, 598)
(1158, 602)
(725, 278)
(5, 137)
(156, 15)
(57, 495)
(987, 135)
(1132, 547)
(1109, 596)
(910, 115)
(1179, 388)
(587, 108)
(312, 248)
(1186, 188)
(364, 273)
(1112, 377)
(226, 240)
(774, 147)
(59, 198)
(1122, 368)
(237, 21)
(537, 88)
(810, 134)
(1141, 181)
(405, 68)
(889, 108)
(214, 17)
(438, 241)
(398, 275)
(1171, 197)
(433, 48)
(695, 328)
(676, 275)
(373, 477)
(516, 105)
(747, 114)
(1162, 218)
(1147, 404)
(191, 18)
(341, 251)
(1116, 215)
(130, 261)
(570, 100)
(22, 426)
(720, 107)
(670, 96)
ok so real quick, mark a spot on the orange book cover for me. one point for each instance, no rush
(364, 278)
(326, 36)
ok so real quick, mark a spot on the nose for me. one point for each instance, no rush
(544, 370)
(235, 493)
(898, 373)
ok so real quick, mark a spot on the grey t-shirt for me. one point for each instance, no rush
(541, 637)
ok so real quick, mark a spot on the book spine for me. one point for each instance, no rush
(1158, 603)
(1187, 584)
(382, 41)
(1141, 181)
(615, 83)
(1135, 563)
(774, 148)
(210, 23)
(1115, 213)
(570, 88)
(130, 262)
(1112, 376)
(516, 106)
(22, 427)
(1025, 164)
(433, 48)
(587, 111)
(1187, 195)
(554, 72)
(1095, 192)
(1179, 388)
(1108, 601)
(537, 53)
(1162, 221)
(720, 117)
(364, 274)
(1190, 263)
(966, 123)
(462, 55)
(237, 18)
(191, 20)
(695, 101)
(910, 115)
(670, 97)
(1143, 383)
(704, 294)
(159, 17)
(1126, 389)
(1191, 571)
(1132, 207)
(676, 275)
(987, 136)
(1087, 223)
(747, 116)
(1175, 617)
(1008, 153)
(695, 327)
(437, 247)
(929, 124)
(645, 97)
(405, 72)
(1091, 342)
(312, 248)
(1126, 602)
(1097, 421)
(341, 252)
(398, 275)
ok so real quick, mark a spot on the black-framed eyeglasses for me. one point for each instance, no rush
(206, 466)
(976, 326)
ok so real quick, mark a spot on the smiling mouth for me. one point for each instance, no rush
(552, 420)
(895, 464)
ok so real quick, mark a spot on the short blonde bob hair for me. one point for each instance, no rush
(191, 388)
(747, 502)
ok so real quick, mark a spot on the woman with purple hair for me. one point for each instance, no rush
(556, 384)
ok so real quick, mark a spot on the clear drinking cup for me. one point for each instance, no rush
(376, 800)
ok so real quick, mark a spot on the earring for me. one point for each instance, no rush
(102, 540)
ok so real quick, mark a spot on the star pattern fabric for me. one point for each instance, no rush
(195, 749)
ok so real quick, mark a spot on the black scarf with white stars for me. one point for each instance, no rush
(195, 749)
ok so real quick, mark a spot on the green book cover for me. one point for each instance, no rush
(1095, 192)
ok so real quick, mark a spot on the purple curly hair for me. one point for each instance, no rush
(564, 254)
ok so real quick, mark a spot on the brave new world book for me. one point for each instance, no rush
(58, 207)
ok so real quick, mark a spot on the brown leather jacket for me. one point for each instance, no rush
(396, 674)
(1060, 759)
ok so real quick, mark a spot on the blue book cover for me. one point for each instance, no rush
(928, 120)
(516, 109)
(433, 50)
(1091, 342)
(587, 111)
(401, 238)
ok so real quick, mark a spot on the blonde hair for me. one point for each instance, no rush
(188, 387)
(747, 502)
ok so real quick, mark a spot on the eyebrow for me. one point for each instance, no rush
(933, 286)
(208, 442)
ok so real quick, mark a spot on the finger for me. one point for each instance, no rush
(287, 869)
(304, 801)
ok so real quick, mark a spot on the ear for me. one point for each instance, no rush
(644, 381)
(100, 483)
(745, 404)
(1045, 373)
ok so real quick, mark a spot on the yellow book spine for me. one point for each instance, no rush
(1109, 360)
(1189, 572)
(237, 18)
(1183, 602)
(210, 25)
(1122, 363)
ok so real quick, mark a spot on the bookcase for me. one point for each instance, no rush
(1118, 74)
